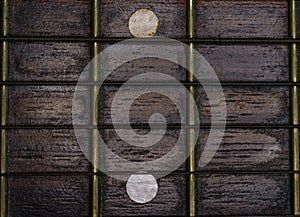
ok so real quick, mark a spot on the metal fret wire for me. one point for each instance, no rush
(4, 106)
(191, 119)
(96, 211)
(294, 107)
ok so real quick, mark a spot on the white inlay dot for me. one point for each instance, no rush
(141, 188)
(143, 23)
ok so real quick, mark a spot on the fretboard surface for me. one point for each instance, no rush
(46, 173)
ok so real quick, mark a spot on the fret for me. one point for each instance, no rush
(294, 106)
(96, 181)
(191, 113)
(4, 107)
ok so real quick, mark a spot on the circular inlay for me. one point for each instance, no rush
(143, 23)
(141, 188)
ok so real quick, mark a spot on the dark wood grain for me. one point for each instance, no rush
(46, 61)
(250, 105)
(248, 62)
(144, 106)
(170, 200)
(221, 194)
(249, 150)
(31, 105)
(146, 65)
(140, 154)
(242, 19)
(49, 196)
(50, 18)
(115, 16)
(44, 151)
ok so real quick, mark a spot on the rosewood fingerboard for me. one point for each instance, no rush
(48, 175)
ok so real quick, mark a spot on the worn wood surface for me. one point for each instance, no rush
(115, 15)
(29, 105)
(144, 106)
(46, 61)
(248, 150)
(249, 194)
(44, 151)
(140, 154)
(256, 63)
(170, 200)
(242, 19)
(50, 18)
(250, 105)
(146, 65)
(49, 196)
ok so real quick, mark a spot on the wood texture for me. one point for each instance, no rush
(242, 19)
(115, 15)
(49, 196)
(144, 106)
(44, 151)
(170, 200)
(56, 150)
(50, 18)
(248, 62)
(248, 150)
(29, 105)
(146, 65)
(250, 105)
(140, 154)
(221, 194)
(46, 61)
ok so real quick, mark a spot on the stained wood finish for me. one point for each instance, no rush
(242, 19)
(221, 194)
(46, 61)
(57, 150)
(250, 105)
(29, 105)
(44, 151)
(138, 154)
(146, 65)
(50, 18)
(115, 15)
(170, 200)
(144, 106)
(49, 196)
(248, 62)
(249, 150)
